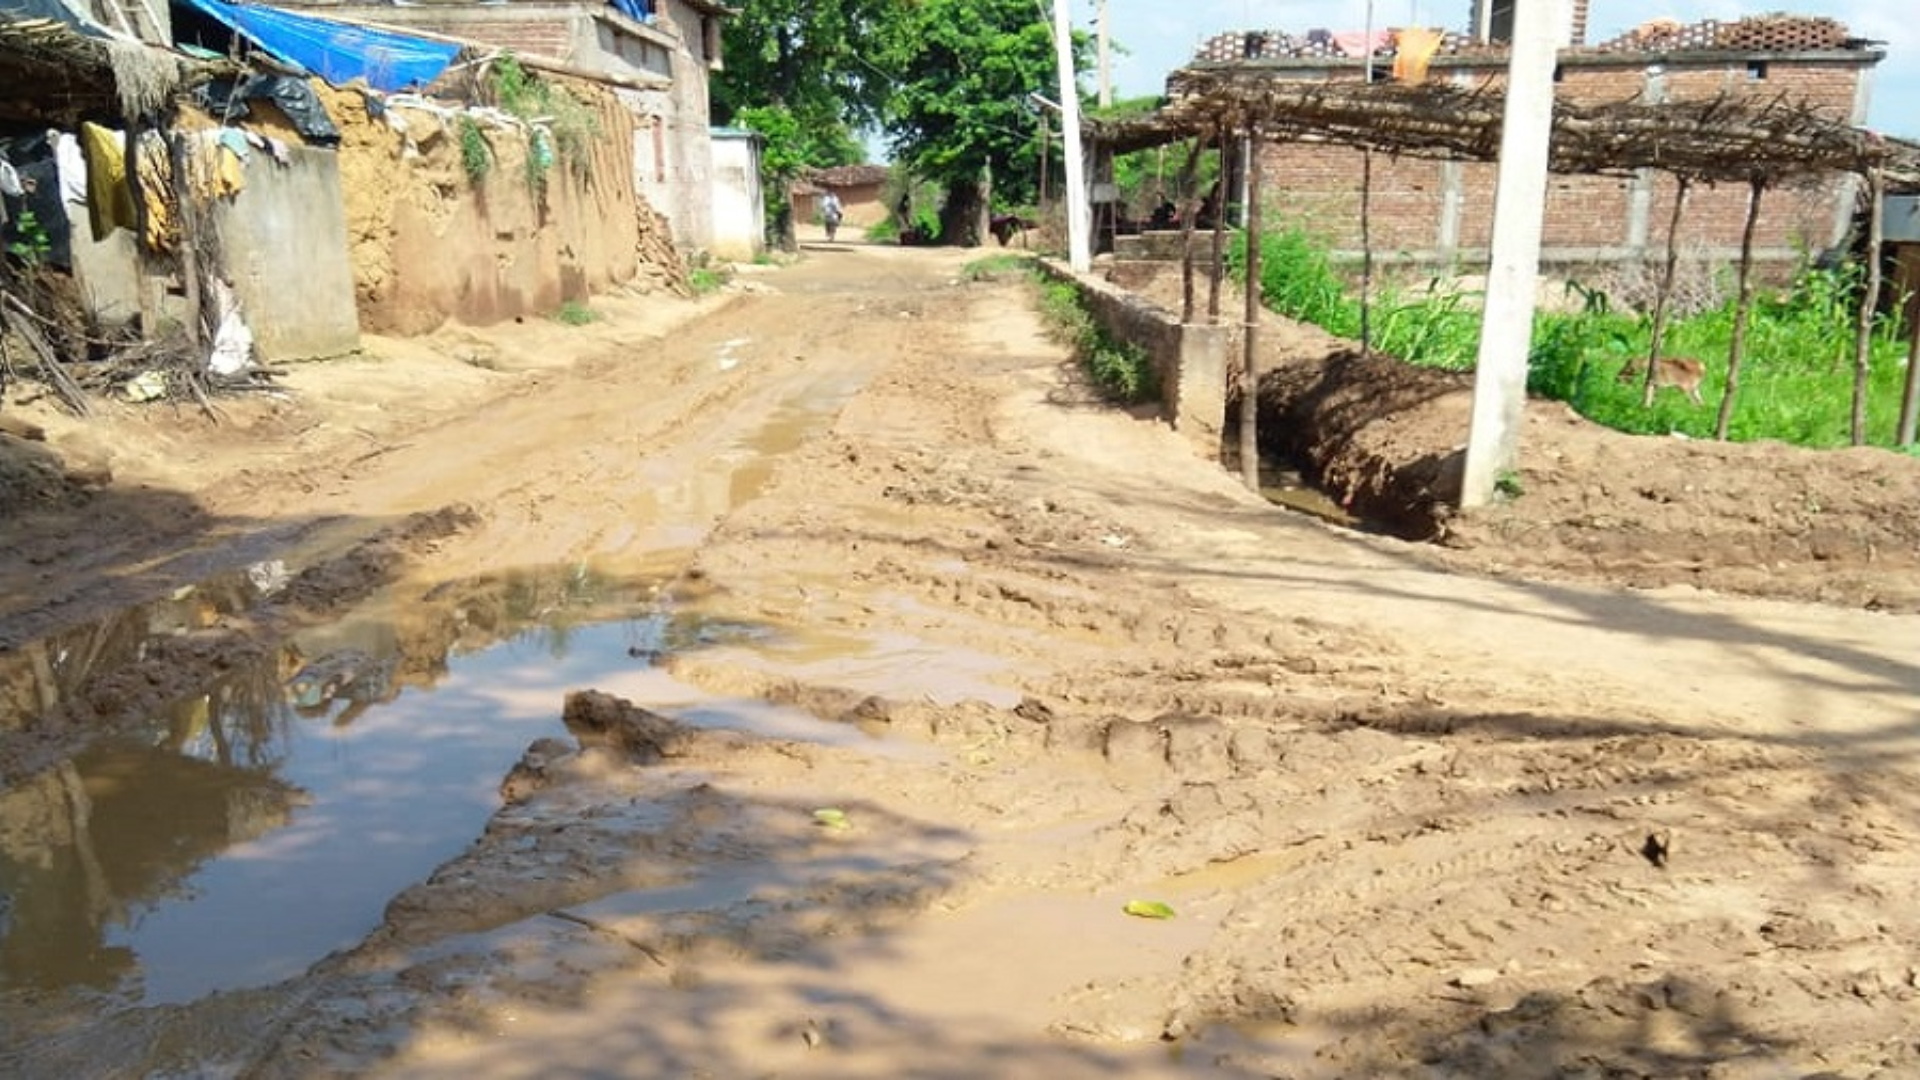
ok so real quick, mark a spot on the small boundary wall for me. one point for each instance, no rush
(1189, 359)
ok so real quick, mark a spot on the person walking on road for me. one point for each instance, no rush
(830, 212)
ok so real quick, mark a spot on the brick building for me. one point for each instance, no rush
(656, 54)
(1441, 212)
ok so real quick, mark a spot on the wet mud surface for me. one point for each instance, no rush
(899, 666)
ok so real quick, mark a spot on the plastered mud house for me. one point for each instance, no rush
(161, 222)
(655, 56)
(1440, 213)
(346, 205)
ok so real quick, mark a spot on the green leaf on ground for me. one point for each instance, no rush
(1148, 909)
(832, 818)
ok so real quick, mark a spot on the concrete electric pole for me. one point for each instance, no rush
(1079, 225)
(1519, 204)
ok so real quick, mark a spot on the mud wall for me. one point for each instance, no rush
(430, 242)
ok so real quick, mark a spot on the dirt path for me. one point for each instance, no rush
(1413, 822)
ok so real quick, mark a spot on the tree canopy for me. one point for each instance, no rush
(950, 82)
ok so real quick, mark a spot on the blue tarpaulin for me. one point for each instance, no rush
(337, 52)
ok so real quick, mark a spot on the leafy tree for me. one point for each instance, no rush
(805, 74)
(961, 114)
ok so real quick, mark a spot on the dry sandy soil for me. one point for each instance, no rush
(1527, 802)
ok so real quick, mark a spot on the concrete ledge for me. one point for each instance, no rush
(1189, 360)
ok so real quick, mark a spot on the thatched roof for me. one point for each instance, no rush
(1726, 138)
(1280, 82)
(52, 74)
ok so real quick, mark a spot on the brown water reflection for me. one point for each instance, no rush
(204, 822)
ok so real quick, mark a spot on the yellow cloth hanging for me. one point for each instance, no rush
(1413, 47)
(156, 193)
(109, 199)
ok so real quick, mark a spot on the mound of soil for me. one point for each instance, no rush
(1387, 441)
(33, 477)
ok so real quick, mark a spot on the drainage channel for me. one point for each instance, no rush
(259, 823)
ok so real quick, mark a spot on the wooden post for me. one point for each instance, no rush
(1740, 312)
(1250, 370)
(1227, 165)
(1519, 210)
(1366, 244)
(1910, 395)
(1666, 292)
(1869, 303)
(1366, 208)
(1189, 202)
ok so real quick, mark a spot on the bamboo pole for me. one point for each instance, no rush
(1910, 395)
(1661, 298)
(1869, 302)
(1250, 370)
(1227, 165)
(1189, 203)
(1740, 312)
(1366, 249)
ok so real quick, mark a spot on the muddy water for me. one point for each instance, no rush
(1282, 484)
(259, 823)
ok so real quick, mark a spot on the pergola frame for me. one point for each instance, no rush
(1760, 142)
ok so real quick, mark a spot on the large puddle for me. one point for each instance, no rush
(264, 821)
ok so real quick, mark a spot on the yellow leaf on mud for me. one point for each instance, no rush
(1148, 909)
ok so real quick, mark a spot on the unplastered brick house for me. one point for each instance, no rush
(1440, 213)
(655, 54)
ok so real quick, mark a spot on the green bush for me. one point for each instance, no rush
(476, 156)
(1122, 369)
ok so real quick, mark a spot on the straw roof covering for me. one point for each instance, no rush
(1733, 137)
(1726, 138)
(52, 74)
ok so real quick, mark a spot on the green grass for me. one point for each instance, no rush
(706, 279)
(1122, 369)
(1796, 379)
(996, 267)
(575, 313)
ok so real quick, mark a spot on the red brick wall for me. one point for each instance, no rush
(550, 38)
(1586, 216)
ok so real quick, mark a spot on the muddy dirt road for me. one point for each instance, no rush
(944, 664)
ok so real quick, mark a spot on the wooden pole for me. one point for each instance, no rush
(1250, 369)
(1740, 313)
(1366, 209)
(1366, 248)
(1189, 202)
(1519, 211)
(1661, 298)
(1227, 165)
(1910, 395)
(1869, 303)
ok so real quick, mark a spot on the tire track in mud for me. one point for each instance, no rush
(1424, 849)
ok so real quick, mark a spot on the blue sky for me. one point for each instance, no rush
(1159, 36)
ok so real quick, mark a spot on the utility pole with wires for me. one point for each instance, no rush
(1106, 58)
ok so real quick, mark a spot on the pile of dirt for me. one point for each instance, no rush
(1387, 441)
(33, 477)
